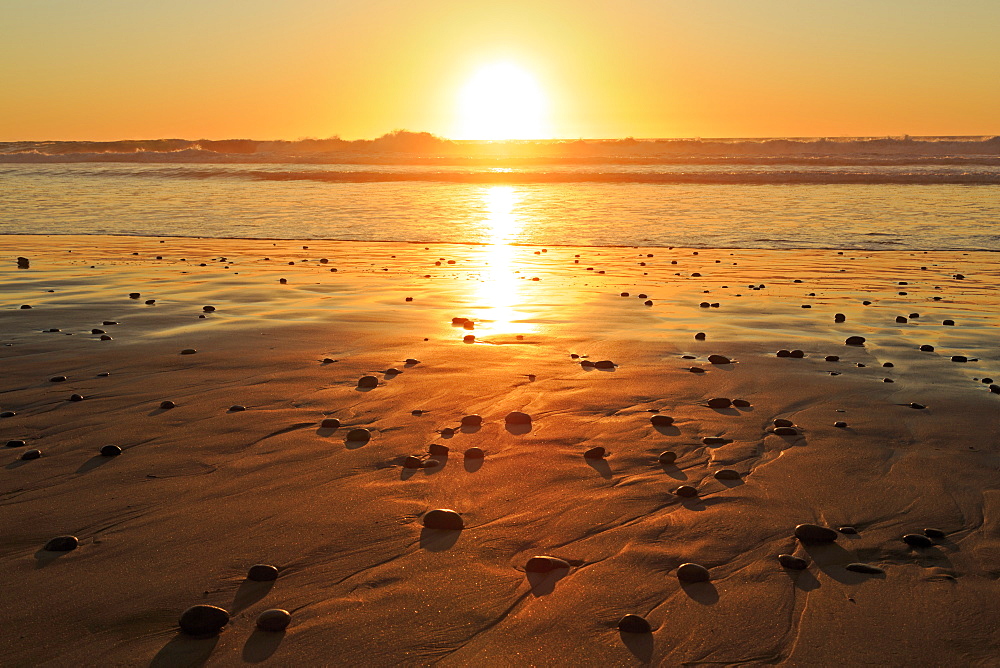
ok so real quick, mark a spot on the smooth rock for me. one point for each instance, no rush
(741, 403)
(716, 440)
(330, 423)
(633, 624)
(847, 530)
(438, 450)
(188, 351)
(719, 359)
(784, 353)
(927, 348)
(797, 354)
(359, 436)
(793, 563)
(274, 620)
(855, 341)
(727, 474)
(544, 564)
(917, 540)
(7, 414)
(447, 432)
(203, 620)
(57, 379)
(605, 364)
(950, 323)
(686, 491)
(667, 457)
(430, 463)
(31, 454)
(472, 421)
(76, 397)
(595, 453)
(661, 420)
(367, 382)
(700, 336)
(236, 408)
(16, 443)
(832, 358)
(412, 462)
(110, 451)
(839, 424)
(208, 309)
(813, 533)
(262, 573)
(783, 422)
(934, 533)
(62, 544)
(517, 417)
(443, 518)
(693, 573)
(167, 405)
(917, 406)
(719, 402)
(786, 431)
(474, 453)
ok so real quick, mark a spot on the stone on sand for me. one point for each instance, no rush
(62, 544)
(741, 403)
(661, 420)
(237, 408)
(595, 453)
(188, 351)
(917, 540)
(16, 443)
(855, 341)
(274, 620)
(719, 359)
(605, 364)
(262, 573)
(667, 457)
(76, 397)
(782, 422)
(727, 474)
(359, 436)
(633, 624)
(367, 382)
(443, 518)
(167, 405)
(813, 533)
(203, 620)
(786, 431)
(412, 462)
(934, 533)
(472, 421)
(544, 564)
(693, 573)
(719, 402)
(438, 450)
(686, 491)
(474, 453)
(330, 423)
(792, 562)
(110, 451)
(31, 454)
(516, 417)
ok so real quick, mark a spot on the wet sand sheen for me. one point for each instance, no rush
(315, 423)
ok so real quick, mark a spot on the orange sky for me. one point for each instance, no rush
(263, 69)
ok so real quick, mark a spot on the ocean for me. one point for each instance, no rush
(863, 202)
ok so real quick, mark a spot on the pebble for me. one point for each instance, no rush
(839, 317)
(917, 540)
(208, 309)
(76, 397)
(97, 331)
(847, 530)
(106, 337)
(392, 372)
(667, 457)
(813, 533)
(719, 359)
(917, 406)
(859, 567)
(716, 440)
(784, 353)
(719, 402)
(693, 573)
(16, 443)
(605, 364)
(110, 451)
(367, 382)
(31, 454)
(948, 322)
(203, 620)
(797, 354)
(236, 408)
(62, 544)
(134, 295)
(792, 562)
(167, 405)
(7, 414)
(786, 431)
(544, 564)
(959, 358)
(695, 369)
(901, 319)
(633, 624)
(782, 422)
(274, 620)
(25, 306)
(472, 421)
(741, 403)
(934, 533)
(438, 450)
(150, 302)
(410, 360)
(686, 491)
(517, 417)
(447, 432)
(832, 358)
(188, 351)
(412, 462)
(443, 518)
(359, 436)
(474, 453)
(262, 573)
(855, 341)
(661, 420)
(469, 338)
(595, 453)
(57, 379)
(840, 424)
(586, 363)
(727, 474)
(431, 463)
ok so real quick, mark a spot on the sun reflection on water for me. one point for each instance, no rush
(500, 292)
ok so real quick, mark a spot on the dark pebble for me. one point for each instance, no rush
(716, 440)
(150, 302)
(792, 562)
(695, 369)
(595, 453)
(208, 309)
(57, 379)
(719, 359)
(203, 620)
(7, 414)
(274, 620)
(855, 341)
(31, 454)
(782, 422)
(236, 408)
(586, 363)
(858, 567)
(839, 424)
(741, 403)
(110, 451)
(786, 431)
(517, 417)
(693, 573)
(474, 453)
(686, 491)
(188, 351)
(719, 402)
(661, 420)
(832, 358)
(443, 518)
(917, 406)
(633, 624)
(813, 533)
(97, 331)
(16, 443)
(167, 405)
(727, 474)
(262, 573)
(469, 338)
(106, 337)
(545, 564)
(901, 319)
(76, 397)
(797, 354)
(472, 421)
(367, 382)
(447, 432)
(917, 540)
(667, 457)
(847, 530)
(431, 463)
(934, 533)
(888, 365)
(412, 462)
(359, 436)
(700, 336)
(784, 353)
(948, 322)
(410, 360)
(438, 450)
(62, 544)
(839, 317)
(959, 358)
(605, 364)
(25, 306)
(134, 295)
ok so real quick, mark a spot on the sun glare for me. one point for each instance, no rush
(502, 101)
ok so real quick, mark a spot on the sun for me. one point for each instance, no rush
(502, 101)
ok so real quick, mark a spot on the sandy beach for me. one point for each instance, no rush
(202, 492)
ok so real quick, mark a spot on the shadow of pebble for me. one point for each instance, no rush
(519, 429)
(831, 559)
(726, 411)
(702, 592)
(669, 430)
(249, 593)
(470, 428)
(325, 432)
(639, 644)
(184, 650)
(599, 465)
(17, 463)
(731, 483)
(804, 580)
(674, 472)
(261, 645)
(45, 557)
(94, 462)
(438, 540)
(473, 465)
(545, 583)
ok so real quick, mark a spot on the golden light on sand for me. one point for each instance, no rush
(500, 291)
(502, 101)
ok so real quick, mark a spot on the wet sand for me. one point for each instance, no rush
(200, 492)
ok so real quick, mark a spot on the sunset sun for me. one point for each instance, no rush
(501, 101)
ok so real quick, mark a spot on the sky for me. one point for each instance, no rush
(287, 69)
